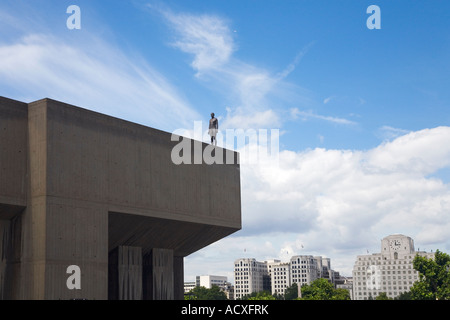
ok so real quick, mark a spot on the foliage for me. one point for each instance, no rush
(341, 294)
(291, 292)
(262, 295)
(404, 296)
(321, 289)
(202, 293)
(383, 296)
(434, 277)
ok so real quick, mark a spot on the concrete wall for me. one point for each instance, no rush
(84, 184)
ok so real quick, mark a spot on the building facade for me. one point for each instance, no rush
(390, 271)
(250, 276)
(208, 281)
(84, 191)
(276, 276)
(280, 277)
(305, 269)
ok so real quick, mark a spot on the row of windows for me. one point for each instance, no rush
(385, 267)
(305, 267)
(302, 271)
(302, 262)
(379, 258)
(300, 275)
(382, 273)
(391, 291)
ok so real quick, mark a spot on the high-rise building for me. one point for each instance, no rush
(390, 271)
(276, 276)
(280, 277)
(304, 269)
(208, 281)
(250, 276)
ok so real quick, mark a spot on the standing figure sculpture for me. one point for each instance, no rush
(213, 128)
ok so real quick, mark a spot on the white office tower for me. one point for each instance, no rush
(390, 271)
(279, 276)
(208, 281)
(250, 276)
(305, 269)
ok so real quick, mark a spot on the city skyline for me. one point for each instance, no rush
(362, 113)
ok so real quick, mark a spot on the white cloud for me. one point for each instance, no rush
(254, 95)
(207, 37)
(340, 203)
(326, 100)
(309, 114)
(93, 74)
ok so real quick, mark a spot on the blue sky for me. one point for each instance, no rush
(363, 114)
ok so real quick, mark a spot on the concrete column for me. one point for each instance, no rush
(159, 275)
(125, 273)
(178, 272)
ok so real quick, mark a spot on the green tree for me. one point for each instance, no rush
(341, 294)
(263, 295)
(404, 296)
(202, 293)
(321, 289)
(383, 296)
(291, 292)
(434, 277)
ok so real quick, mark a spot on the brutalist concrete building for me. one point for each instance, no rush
(79, 188)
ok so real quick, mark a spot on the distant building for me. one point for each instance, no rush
(390, 271)
(188, 286)
(280, 277)
(250, 276)
(305, 269)
(208, 281)
(276, 276)
(342, 282)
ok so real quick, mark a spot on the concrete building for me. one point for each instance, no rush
(305, 269)
(390, 271)
(79, 188)
(276, 276)
(188, 286)
(280, 277)
(208, 281)
(250, 276)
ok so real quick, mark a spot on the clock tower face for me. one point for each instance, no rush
(395, 244)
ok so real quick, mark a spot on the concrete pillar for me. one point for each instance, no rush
(178, 273)
(159, 275)
(10, 245)
(125, 273)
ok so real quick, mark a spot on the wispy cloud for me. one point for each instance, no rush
(255, 96)
(338, 203)
(91, 74)
(309, 114)
(389, 133)
(206, 37)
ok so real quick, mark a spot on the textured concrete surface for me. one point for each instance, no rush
(81, 188)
